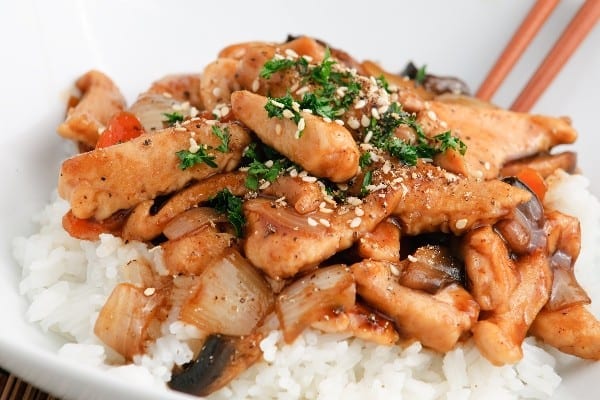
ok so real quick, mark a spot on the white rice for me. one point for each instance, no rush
(67, 281)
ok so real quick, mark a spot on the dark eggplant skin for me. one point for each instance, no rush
(437, 84)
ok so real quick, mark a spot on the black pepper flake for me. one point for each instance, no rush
(102, 178)
(147, 142)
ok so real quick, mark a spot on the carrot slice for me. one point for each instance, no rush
(90, 229)
(122, 127)
(534, 181)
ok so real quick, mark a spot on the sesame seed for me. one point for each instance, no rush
(355, 222)
(288, 114)
(296, 106)
(301, 124)
(360, 104)
(342, 186)
(365, 121)
(269, 163)
(278, 129)
(443, 124)
(303, 174)
(339, 122)
(216, 92)
(294, 173)
(487, 165)
(359, 212)
(176, 107)
(210, 122)
(302, 90)
(461, 223)
(149, 291)
(432, 115)
(277, 104)
(326, 210)
(297, 134)
(341, 91)
(311, 221)
(394, 270)
(353, 123)
(307, 58)
(224, 111)
(264, 185)
(194, 112)
(193, 146)
(412, 258)
(291, 53)
(179, 129)
(255, 85)
(387, 167)
(278, 56)
(324, 222)
(326, 119)
(375, 113)
(167, 95)
(368, 137)
(309, 179)
(354, 201)
(307, 110)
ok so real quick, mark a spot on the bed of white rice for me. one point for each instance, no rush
(67, 281)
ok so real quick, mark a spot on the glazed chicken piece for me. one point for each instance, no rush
(100, 100)
(381, 244)
(485, 133)
(324, 149)
(103, 181)
(544, 164)
(500, 334)
(435, 200)
(181, 87)
(282, 242)
(438, 321)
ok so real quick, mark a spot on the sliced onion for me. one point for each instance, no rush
(308, 299)
(231, 298)
(190, 220)
(130, 317)
(566, 291)
(150, 109)
(432, 269)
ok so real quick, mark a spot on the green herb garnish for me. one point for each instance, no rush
(188, 159)
(259, 166)
(366, 182)
(224, 136)
(230, 205)
(275, 65)
(421, 74)
(447, 141)
(365, 159)
(173, 118)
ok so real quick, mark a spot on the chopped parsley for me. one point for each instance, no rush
(421, 74)
(263, 164)
(366, 182)
(383, 83)
(188, 159)
(230, 205)
(275, 65)
(365, 159)
(173, 118)
(447, 141)
(224, 136)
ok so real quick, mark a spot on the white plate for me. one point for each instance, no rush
(46, 45)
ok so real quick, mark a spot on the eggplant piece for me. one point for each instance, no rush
(437, 84)
(523, 230)
(221, 360)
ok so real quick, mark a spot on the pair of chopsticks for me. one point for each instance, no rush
(571, 37)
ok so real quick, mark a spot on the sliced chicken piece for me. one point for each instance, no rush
(362, 323)
(381, 244)
(544, 164)
(435, 200)
(324, 149)
(282, 242)
(103, 181)
(192, 253)
(150, 109)
(573, 330)
(181, 87)
(218, 82)
(438, 321)
(485, 132)
(148, 219)
(100, 100)
(500, 334)
(490, 270)
(304, 196)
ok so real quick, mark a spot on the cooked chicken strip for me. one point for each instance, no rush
(218, 81)
(324, 149)
(282, 242)
(381, 244)
(146, 223)
(544, 164)
(573, 330)
(304, 196)
(100, 100)
(490, 270)
(499, 336)
(438, 321)
(436, 200)
(102, 181)
(485, 133)
(181, 87)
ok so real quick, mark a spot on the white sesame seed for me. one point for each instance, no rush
(294, 173)
(387, 167)
(359, 212)
(326, 210)
(224, 111)
(326, 119)
(295, 106)
(461, 223)
(255, 85)
(277, 104)
(278, 56)
(297, 134)
(149, 291)
(487, 165)
(167, 94)
(269, 163)
(342, 186)
(264, 185)
(478, 174)
(382, 109)
(353, 123)
(354, 201)
(365, 121)
(307, 110)
(301, 124)
(311, 221)
(375, 113)
(291, 53)
(302, 90)
(179, 129)
(394, 270)
(193, 146)
(339, 122)
(412, 258)
(443, 124)
(355, 222)
(194, 112)
(368, 137)
(278, 129)
(210, 122)
(176, 107)
(216, 92)
(360, 104)
(288, 114)
(309, 179)
(432, 115)
(341, 91)
(307, 58)
(302, 174)
(324, 222)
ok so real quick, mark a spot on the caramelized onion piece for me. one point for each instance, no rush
(190, 220)
(130, 317)
(231, 298)
(308, 299)
(430, 268)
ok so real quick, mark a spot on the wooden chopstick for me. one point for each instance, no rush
(13, 388)
(572, 36)
(515, 48)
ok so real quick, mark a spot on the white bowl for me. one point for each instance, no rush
(46, 45)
